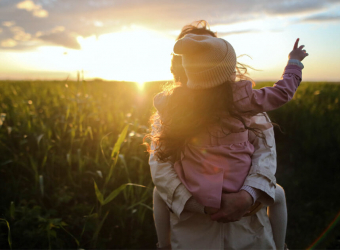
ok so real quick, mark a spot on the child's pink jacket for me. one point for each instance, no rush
(213, 162)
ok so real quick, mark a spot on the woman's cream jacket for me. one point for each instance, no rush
(198, 231)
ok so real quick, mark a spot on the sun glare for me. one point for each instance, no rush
(136, 54)
(140, 85)
(133, 54)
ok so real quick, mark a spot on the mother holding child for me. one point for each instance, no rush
(212, 156)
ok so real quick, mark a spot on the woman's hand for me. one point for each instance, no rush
(233, 207)
(298, 53)
(210, 210)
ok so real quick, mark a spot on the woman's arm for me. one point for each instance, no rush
(166, 180)
(262, 172)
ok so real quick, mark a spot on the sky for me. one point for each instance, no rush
(132, 40)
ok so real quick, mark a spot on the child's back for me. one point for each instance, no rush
(218, 159)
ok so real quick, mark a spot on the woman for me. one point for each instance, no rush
(190, 227)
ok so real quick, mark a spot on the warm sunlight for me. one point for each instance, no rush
(134, 54)
(140, 85)
(124, 45)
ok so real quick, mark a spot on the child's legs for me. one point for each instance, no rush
(277, 214)
(162, 220)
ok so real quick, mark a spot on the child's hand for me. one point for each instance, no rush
(297, 52)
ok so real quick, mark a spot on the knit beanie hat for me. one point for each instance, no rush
(208, 61)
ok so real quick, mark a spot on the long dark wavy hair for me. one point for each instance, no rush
(188, 112)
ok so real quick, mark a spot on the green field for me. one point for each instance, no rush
(66, 153)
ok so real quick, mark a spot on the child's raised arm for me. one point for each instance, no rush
(270, 98)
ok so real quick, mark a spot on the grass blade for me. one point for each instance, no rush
(96, 233)
(75, 239)
(98, 193)
(119, 142)
(41, 184)
(115, 151)
(82, 232)
(9, 233)
(115, 192)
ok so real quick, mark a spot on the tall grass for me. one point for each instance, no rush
(65, 145)
(73, 172)
(309, 162)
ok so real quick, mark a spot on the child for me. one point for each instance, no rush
(205, 125)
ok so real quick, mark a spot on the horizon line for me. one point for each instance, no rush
(128, 81)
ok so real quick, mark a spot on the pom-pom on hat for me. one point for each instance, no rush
(208, 61)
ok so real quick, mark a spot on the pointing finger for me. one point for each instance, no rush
(296, 43)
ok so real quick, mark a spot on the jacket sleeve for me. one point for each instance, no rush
(262, 172)
(166, 180)
(269, 98)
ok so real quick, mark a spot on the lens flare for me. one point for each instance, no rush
(325, 232)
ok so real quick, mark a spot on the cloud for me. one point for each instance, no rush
(20, 34)
(65, 39)
(1, 30)
(236, 32)
(8, 43)
(96, 17)
(56, 29)
(8, 23)
(59, 36)
(292, 7)
(32, 7)
(322, 18)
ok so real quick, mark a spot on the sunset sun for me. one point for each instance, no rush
(132, 55)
